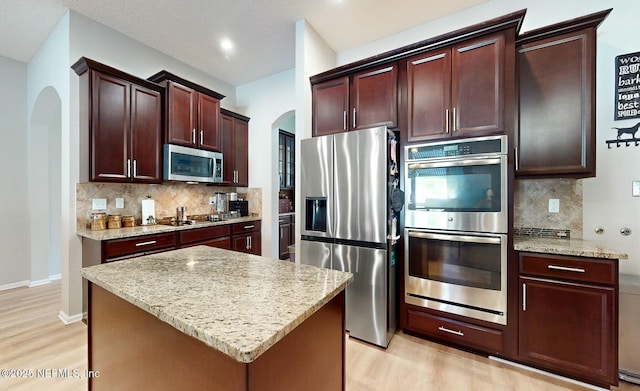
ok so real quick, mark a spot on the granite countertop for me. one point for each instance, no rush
(239, 304)
(141, 230)
(574, 247)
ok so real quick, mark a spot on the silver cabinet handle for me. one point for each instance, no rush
(344, 120)
(446, 113)
(281, 233)
(250, 244)
(249, 226)
(135, 168)
(193, 136)
(128, 168)
(354, 118)
(201, 136)
(524, 297)
(146, 243)
(454, 120)
(446, 330)
(566, 269)
(516, 158)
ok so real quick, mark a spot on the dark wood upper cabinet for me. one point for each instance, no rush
(374, 98)
(124, 118)
(429, 95)
(146, 131)
(330, 106)
(457, 91)
(286, 160)
(234, 141)
(478, 85)
(362, 100)
(192, 113)
(556, 68)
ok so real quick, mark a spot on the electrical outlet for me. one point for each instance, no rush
(554, 205)
(99, 203)
(119, 203)
(212, 200)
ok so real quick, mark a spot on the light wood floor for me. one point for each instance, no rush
(32, 338)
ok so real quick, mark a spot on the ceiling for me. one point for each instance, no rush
(263, 31)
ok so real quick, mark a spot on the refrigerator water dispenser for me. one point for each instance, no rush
(316, 214)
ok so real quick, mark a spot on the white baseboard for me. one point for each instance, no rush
(39, 282)
(66, 319)
(14, 285)
(553, 375)
(31, 284)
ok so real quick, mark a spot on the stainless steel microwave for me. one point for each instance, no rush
(191, 165)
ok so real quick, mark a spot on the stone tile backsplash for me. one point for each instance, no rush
(167, 196)
(531, 206)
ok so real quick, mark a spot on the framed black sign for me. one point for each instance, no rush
(627, 100)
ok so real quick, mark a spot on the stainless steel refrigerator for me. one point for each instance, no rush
(346, 180)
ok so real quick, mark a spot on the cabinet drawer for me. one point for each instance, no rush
(202, 234)
(569, 268)
(461, 333)
(284, 220)
(249, 226)
(138, 244)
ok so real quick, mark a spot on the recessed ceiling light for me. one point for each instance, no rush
(226, 44)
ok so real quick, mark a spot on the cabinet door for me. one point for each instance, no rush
(569, 328)
(241, 135)
(478, 85)
(429, 95)
(110, 124)
(281, 172)
(146, 109)
(284, 235)
(289, 151)
(374, 98)
(227, 146)
(182, 116)
(556, 133)
(249, 243)
(208, 119)
(330, 106)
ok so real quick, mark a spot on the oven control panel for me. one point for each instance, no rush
(495, 145)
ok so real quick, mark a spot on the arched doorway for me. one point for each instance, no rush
(45, 189)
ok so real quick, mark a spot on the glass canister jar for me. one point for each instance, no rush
(98, 221)
(128, 221)
(114, 221)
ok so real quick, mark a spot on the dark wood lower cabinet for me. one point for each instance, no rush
(247, 237)
(566, 325)
(134, 350)
(219, 237)
(456, 332)
(286, 235)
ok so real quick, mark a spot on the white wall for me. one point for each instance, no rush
(265, 101)
(101, 43)
(607, 200)
(313, 56)
(14, 233)
(49, 84)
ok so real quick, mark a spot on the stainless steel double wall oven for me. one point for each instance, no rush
(456, 226)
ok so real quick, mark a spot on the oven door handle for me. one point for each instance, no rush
(456, 238)
(458, 162)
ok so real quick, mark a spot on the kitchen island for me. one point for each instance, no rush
(203, 318)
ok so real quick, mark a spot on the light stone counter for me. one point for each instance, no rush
(141, 230)
(573, 247)
(236, 303)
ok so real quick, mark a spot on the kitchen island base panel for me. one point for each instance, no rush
(132, 348)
